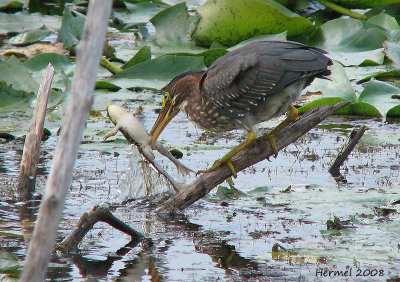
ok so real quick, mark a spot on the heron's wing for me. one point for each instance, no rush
(243, 78)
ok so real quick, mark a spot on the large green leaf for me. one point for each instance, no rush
(143, 55)
(392, 50)
(338, 84)
(351, 41)
(229, 22)
(140, 12)
(20, 21)
(12, 99)
(174, 26)
(157, 72)
(41, 61)
(30, 36)
(386, 21)
(379, 94)
(71, 28)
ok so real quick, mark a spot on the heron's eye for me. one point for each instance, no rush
(166, 99)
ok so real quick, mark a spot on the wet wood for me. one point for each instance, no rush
(86, 223)
(79, 104)
(30, 157)
(256, 152)
(355, 136)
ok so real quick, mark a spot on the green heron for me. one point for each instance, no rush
(249, 85)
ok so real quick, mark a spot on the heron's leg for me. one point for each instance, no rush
(293, 115)
(227, 158)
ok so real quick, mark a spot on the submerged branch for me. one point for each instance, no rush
(343, 155)
(88, 220)
(256, 152)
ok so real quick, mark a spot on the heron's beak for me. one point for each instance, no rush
(167, 114)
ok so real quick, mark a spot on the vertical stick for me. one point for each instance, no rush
(79, 104)
(27, 174)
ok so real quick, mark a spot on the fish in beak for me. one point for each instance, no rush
(168, 112)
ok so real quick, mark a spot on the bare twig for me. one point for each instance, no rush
(79, 104)
(88, 220)
(27, 174)
(355, 136)
(251, 155)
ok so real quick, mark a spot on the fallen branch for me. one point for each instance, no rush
(342, 10)
(256, 152)
(27, 174)
(355, 136)
(88, 220)
(79, 103)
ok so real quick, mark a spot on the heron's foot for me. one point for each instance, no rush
(226, 160)
(292, 116)
(217, 164)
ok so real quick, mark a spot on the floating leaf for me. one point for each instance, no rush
(36, 49)
(30, 36)
(385, 76)
(41, 61)
(144, 54)
(107, 85)
(329, 101)
(392, 50)
(159, 70)
(12, 99)
(385, 21)
(229, 22)
(71, 27)
(379, 94)
(174, 26)
(18, 22)
(351, 41)
(139, 12)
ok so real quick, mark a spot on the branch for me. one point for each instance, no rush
(256, 152)
(88, 220)
(27, 174)
(79, 104)
(355, 136)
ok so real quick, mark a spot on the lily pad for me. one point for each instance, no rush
(229, 22)
(71, 27)
(41, 61)
(392, 75)
(351, 41)
(159, 70)
(379, 94)
(139, 12)
(392, 50)
(18, 22)
(174, 26)
(12, 99)
(144, 54)
(30, 36)
(386, 21)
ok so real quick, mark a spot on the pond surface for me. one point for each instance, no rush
(286, 207)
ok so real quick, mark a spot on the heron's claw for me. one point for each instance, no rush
(217, 164)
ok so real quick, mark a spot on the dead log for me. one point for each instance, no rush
(79, 104)
(256, 152)
(30, 157)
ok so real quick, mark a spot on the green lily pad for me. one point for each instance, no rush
(18, 22)
(229, 193)
(338, 84)
(379, 94)
(386, 21)
(384, 76)
(143, 55)
(174, 26)
(71, 27)
(106, 85)
(10, 264)
(329, 101)
(394, 112)
(351, 41)
(30, 36)
(229, 22)
(279, 37)
(209, 56)
(392, 50)
(139, 12)
(41, 61)
(12, 99)
(159, 70)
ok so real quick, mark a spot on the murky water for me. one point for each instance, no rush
(228, 239)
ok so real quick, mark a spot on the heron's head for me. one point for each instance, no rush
(176, 95)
